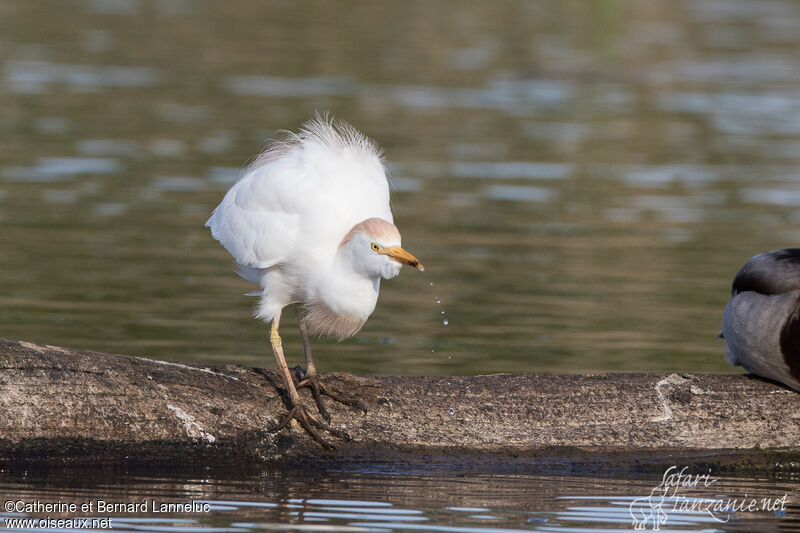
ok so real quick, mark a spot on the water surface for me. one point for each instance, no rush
(394, 497)
(581, 180)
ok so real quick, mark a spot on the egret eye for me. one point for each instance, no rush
(376, 247)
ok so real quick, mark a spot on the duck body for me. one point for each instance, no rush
(761, 322)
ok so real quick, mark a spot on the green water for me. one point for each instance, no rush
(581, 179)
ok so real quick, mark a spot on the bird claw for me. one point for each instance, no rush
(310, 424)
(318, 389)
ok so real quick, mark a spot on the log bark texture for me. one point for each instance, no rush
(64, 404)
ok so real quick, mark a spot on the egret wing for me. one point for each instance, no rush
(257, 221)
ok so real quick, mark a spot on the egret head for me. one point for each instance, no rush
(373, 249)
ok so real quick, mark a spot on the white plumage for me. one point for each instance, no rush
(285, 220)
(312, 186)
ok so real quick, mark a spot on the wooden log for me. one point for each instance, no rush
(63, 404)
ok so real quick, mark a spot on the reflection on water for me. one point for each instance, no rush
(50, 169)
(398, 499)
(582, 180)
(37, 76)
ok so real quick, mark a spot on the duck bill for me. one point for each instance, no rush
(401, 256)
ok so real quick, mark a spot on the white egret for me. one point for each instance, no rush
(761, 323)
(310, 223)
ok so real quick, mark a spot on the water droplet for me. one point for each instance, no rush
(445, 322)
(452, 411)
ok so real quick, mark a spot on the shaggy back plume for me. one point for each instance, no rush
(323, 130)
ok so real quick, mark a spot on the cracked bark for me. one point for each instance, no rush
(59, 404)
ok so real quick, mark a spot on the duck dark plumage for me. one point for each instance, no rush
(761, 323)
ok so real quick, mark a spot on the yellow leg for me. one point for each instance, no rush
(277, 350)
(301, 325)
(298, 411)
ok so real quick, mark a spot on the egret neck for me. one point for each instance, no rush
(344, 301)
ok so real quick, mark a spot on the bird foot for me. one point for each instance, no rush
(312, 426)
(318, 389)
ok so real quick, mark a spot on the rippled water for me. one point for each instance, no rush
(582, 180)
(399, 498)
